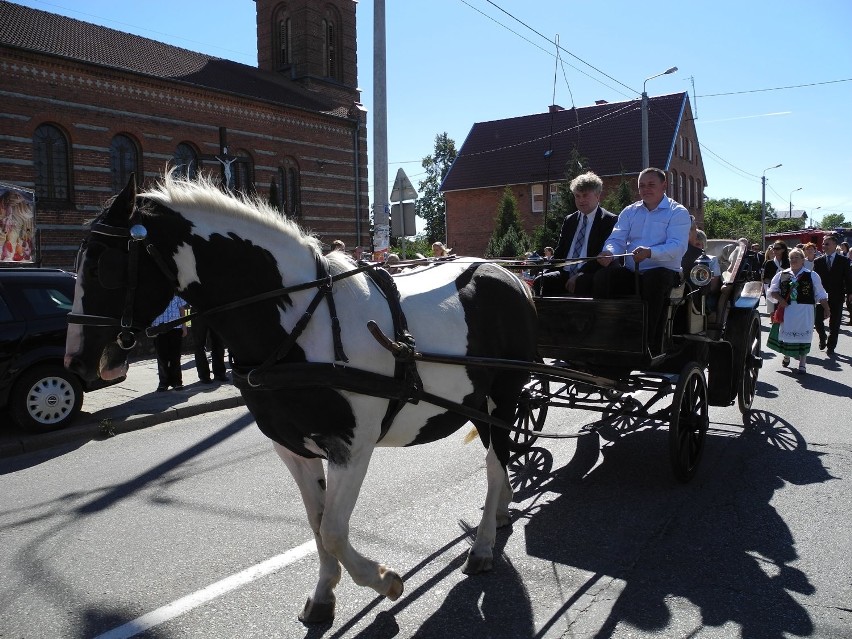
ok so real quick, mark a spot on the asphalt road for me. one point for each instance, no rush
(604, 543)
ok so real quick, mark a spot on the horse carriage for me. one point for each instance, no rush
(335, 358)
(601, 361)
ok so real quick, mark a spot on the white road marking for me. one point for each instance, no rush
(185, 604)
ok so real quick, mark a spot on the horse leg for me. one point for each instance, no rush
(344, 484)
(310, 478)
(495, 513)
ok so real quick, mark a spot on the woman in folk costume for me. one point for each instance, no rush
(795, 291)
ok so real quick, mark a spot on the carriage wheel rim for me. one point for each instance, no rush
(690, 426)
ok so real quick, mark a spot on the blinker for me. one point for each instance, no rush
(112, 269)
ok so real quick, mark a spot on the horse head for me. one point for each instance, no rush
(122, 285)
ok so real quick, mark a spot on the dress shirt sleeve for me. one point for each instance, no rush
(775, 284)
(677, 238)
(616, 243)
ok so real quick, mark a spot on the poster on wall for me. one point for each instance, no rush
(17, 214)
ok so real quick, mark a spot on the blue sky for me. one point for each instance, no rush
(455, 62)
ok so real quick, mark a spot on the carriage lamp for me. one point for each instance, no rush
(701, 273)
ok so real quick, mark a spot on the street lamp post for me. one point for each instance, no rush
(645, 159)
(812, 218)
(763, 206)
(791, 200)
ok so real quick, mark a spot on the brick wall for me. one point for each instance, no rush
(92, 104)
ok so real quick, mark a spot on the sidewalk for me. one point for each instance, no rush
(130, 405)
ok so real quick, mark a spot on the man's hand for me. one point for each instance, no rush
(570, 284)
(605, 258)
(641, 253)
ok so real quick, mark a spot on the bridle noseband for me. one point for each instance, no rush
(137, 235)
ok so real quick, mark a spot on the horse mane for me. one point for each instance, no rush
(203, 194)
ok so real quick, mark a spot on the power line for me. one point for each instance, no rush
(497, 22)
(794, 86)
(541, 35)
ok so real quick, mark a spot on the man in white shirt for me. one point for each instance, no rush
(654, 234)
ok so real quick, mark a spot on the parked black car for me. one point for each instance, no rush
(36, 390)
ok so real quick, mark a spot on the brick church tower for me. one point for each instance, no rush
(313, 42)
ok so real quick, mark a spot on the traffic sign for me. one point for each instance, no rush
(402, 188)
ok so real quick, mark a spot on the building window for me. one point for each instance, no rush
(554, 192)
(330, 45)
(50, 149)
(680, 146)
(123, 161)
(689, 150)
(699, 194)
(185, 161)
(672, 185)
(290, 193)
(284, 41)
(680, 192)
(537, 198)
(243, 171)
(691, 192)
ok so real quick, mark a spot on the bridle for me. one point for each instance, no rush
(109, 275)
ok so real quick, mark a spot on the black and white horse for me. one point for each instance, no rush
(222, 254)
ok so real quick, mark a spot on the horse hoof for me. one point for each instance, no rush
(316, 612)
(396, 586)
(475, 565)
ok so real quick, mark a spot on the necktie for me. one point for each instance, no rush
(579, 240)
(830, 257)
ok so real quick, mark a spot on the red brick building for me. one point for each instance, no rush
(84, 106)
(529, 154)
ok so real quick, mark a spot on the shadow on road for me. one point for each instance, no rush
(662, 549)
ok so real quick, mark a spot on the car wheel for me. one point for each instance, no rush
(46, 398)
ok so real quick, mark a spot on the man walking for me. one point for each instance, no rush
(834, 271)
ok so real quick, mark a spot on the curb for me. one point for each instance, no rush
(96, 429)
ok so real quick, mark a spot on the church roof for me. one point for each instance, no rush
(48, 33)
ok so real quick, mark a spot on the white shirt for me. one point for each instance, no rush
(665, 230)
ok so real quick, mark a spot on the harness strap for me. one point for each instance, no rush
(260, 297)
(405, 370)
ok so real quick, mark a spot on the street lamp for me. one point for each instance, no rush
(763, 206)
(645, 159)
(812, 217)
(791, 200)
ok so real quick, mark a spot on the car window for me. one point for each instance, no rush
(47, 300)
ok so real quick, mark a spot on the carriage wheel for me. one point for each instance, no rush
(689, 422)
(748, 358)
(530, 414)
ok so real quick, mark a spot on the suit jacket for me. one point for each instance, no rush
(602, 226)
(837, 282)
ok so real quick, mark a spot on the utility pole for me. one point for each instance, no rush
(763, 207)
(645, 152)
(381, 206)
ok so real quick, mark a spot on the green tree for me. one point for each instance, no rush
(831, 221)
(508, 238)
(733, 218)
(622, 196)
(430, 205)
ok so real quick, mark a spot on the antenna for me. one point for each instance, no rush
(694, 100)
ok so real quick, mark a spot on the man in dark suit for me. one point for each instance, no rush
(834, 271)
(583, 234)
